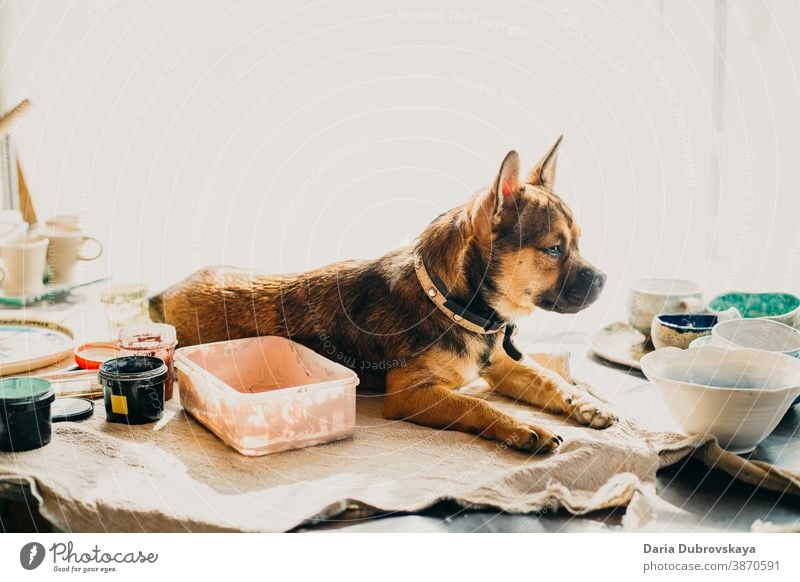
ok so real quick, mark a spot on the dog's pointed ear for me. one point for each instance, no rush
(486, 210)
(544, 173)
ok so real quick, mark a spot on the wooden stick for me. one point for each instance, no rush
(9, 120)
(25, 200)
(7, 123)
(65, 375)
(75, 383)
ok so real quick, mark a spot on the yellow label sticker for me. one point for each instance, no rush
(119, 404)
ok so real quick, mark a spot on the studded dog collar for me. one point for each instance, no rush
(436, 291)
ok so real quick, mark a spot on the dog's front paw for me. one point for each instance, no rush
(534, 439)
(590, 411)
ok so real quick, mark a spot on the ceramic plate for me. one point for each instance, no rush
(620, 344)
(49, 292)
(30, 344)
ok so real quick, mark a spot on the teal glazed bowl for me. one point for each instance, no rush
(781, 307)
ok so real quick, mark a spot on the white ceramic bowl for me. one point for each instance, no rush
(701, 341)
(761, 334)
(649, 297)
(738, 395)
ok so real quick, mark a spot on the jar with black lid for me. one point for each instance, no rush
(133, 388)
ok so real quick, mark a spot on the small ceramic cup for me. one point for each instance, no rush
(781, 307)
(761, 334)
(12, 226)
(678, 330)
(24, 264)
(649, 297)
(64, 222)
(67, 247)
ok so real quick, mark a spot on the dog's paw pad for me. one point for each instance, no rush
(539, 441)
(531, 442)
(594, 415)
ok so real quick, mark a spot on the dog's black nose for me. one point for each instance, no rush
(592, 277)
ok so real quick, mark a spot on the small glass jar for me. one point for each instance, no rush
(126, 305)
(152, 339)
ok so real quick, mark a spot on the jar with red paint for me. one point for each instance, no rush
(152, 339)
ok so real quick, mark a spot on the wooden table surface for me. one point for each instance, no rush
(710, 500)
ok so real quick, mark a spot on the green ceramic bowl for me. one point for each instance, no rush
(782, 307)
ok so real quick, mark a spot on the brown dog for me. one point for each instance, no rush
(425, 319)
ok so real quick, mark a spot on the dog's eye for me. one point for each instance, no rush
(556, 251)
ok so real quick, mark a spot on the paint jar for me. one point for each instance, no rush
(133, 389)
(152, 339)
(25, 421)
(126, 304)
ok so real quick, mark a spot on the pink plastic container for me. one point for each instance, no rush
(267, 394)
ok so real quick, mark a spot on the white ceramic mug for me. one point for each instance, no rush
(64, 222)
(650, 297)
(24, 264)
(12, 226)
(65, 250)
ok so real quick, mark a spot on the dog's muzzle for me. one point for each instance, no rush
(578, 293)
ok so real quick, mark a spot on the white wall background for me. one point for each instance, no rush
(283, 136)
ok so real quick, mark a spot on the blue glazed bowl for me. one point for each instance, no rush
(680, 329)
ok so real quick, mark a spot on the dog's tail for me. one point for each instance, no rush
(156, 304)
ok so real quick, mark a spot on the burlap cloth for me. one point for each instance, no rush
(177, 476)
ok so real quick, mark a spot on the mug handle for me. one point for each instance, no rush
(691, 305)
(2, 275)
(83, 257)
